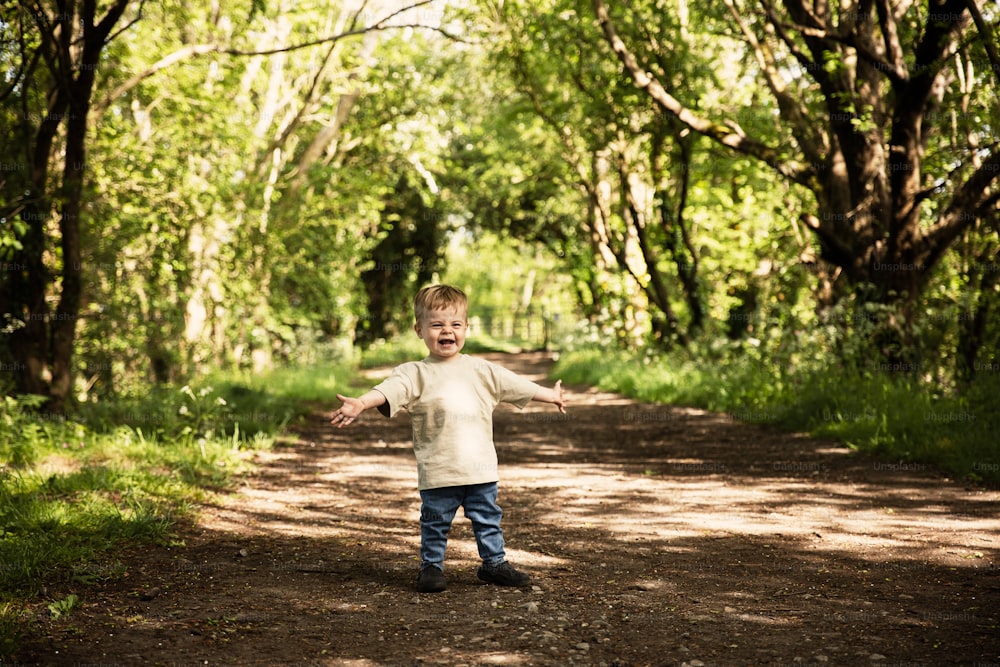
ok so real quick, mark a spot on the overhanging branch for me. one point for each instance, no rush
(804, 175)
(961, 211)
(195, 50)
(989, 42)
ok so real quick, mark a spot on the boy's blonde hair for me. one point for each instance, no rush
(439, 297)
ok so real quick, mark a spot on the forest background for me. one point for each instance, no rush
(784, 211)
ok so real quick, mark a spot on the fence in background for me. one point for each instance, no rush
(529, 330)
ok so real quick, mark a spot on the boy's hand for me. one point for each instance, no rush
(557, 395)
(553, 396)
(348, 412)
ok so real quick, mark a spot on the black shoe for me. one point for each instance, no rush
(431, 580)
(503, 575)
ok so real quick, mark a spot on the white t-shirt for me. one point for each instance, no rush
(451, 404)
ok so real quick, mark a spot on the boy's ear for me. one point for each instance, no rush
(416, 327)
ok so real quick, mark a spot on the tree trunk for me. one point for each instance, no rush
(43, 347)
(665, 324)
(677, 240)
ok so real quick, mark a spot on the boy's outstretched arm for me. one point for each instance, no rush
(554, 396)
(353, 407)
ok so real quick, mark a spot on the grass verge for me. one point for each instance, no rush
(125, 472)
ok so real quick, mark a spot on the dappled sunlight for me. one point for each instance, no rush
(639, 489)
(665, 499)
(827, 515)
(57, 464)
(669, 532)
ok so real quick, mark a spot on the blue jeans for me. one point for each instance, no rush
(438, 510)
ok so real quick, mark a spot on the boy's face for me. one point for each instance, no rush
(443, 332)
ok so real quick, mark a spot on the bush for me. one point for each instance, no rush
(22, 434)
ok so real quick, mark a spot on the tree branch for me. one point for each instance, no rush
(138, 17)
(890, 36)
(937, 41)
(967, 200)
(803, 129)
(833, 249)
(26, 65)
(378, 25)
(895, 71)
(802, 174)
(195, 50)
(988, 206)
(989, 43)
(335, 38)
(793, 48)
(181, 54)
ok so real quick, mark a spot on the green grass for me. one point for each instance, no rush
(894, 416)
(125, 472)
(393, 352)
(284, 389)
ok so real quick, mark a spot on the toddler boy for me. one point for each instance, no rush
(451, 397)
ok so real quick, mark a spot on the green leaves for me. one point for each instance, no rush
(62, 608)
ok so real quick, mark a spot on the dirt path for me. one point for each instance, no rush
(656, 536)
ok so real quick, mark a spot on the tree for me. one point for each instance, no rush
(656, 203)
(866, 93)
(55, 51)
(615, 148)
